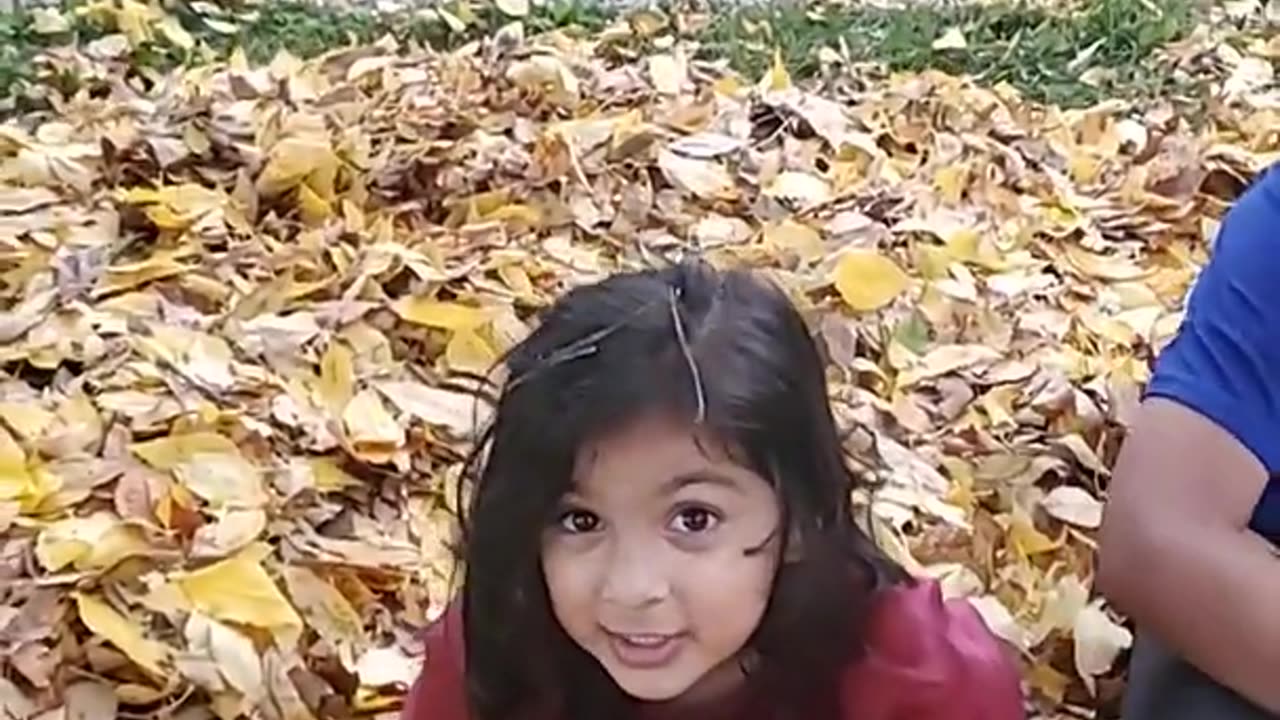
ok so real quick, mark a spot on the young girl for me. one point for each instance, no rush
(661, 528)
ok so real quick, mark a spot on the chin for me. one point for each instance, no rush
(654, 692)
(652, 687)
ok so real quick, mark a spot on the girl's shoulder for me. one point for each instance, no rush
(930, 657)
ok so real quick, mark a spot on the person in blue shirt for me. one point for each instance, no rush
(1189, 542)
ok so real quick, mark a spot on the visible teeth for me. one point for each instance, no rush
(645, 640)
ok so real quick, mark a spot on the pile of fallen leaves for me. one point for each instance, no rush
(249, 313)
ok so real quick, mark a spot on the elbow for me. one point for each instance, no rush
(1124, 546)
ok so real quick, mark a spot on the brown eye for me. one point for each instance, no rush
(579, 521)
(695, 520)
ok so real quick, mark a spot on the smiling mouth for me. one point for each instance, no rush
(645, 651)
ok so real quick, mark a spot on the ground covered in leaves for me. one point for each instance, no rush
(248, 309)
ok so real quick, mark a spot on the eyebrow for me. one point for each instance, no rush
(702, 477)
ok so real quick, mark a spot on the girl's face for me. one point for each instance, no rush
(647, 561)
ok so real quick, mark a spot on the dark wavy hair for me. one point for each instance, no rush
(721, 348)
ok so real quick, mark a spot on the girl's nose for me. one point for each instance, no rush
(634, 578)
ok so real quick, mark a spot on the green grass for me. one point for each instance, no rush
(1042, 53)
(1031, 48)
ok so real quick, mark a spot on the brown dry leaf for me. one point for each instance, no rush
(89, 700)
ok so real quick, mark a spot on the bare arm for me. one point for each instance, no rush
(1177, 556)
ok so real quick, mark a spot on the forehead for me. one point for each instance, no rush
(657, 455)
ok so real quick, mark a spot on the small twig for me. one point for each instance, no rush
(688, 358)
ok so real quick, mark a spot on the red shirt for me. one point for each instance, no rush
(926, 659)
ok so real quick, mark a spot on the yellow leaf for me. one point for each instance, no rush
(796, 237)
(441, 314)
(1045, 679)
(230, 531)
(29, 420)
(16, 480)
(868, 280)
(96, 542)
(367, 420)
(291, 160)
(239, 590)
(326, 476)
(1104, 267)
(223, 479)
(1027, 540)
(513, 8)
(134, 20)
(777, 78)
(516, 215)
(168, 452)
(120, 631)
(998, 404)
(517, 279)
(337, 378)
(805, 188)
(125, 277)
(312, 208)
(469, 351)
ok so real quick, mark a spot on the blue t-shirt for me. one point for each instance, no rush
(1224, 361)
